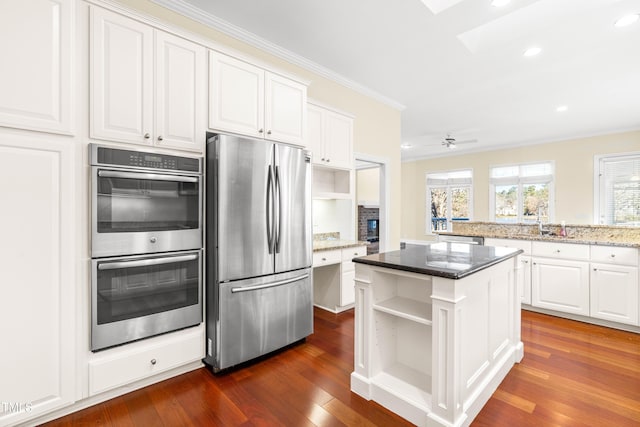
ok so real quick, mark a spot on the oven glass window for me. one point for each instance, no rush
(130, 292)
(135, 205)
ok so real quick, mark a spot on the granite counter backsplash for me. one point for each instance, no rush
(591, 234)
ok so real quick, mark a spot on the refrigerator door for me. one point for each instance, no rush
(261, 315)
(293, 231)
(244, 183)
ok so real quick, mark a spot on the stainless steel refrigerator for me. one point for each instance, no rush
(259, 291)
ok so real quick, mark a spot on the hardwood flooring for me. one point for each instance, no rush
(572, 374)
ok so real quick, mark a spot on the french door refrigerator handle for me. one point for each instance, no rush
(279, 211)
(269, 285)
(270, 196)
(148, 176)
(145, 262)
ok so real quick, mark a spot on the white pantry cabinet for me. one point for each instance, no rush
(35, 79)
(148, 87)
(614, 284)
(330, 137)
(38, 303)
(249, 100)
(560, 277)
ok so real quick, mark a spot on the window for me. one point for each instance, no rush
(449, 197)
(522, 193)
(617, 189)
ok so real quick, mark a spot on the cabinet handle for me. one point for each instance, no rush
(261, 130)
(153, 361)
(147, 135)
(268, 132)
(160, 138)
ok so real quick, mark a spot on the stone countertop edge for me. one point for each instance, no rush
(554, 239)
(328, 245)
(434, 271)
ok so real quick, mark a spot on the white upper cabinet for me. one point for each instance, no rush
(248, 100)
(36, 50)
(330, 137)
(131, 104)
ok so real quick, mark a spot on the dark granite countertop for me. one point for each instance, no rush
(445, 259)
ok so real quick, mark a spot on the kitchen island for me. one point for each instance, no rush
(437, 328)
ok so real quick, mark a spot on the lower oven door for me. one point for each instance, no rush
(141, 296)
(261, 315)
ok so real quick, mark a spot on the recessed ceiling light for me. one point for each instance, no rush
(532, 51)
(500, 3)
(405, 146)
(562, 108)
(627, 20)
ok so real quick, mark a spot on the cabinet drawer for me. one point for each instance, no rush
(560, 250)
(614, 255)
(327, 257)
(525, 245)
(350, 253)
(131, 365)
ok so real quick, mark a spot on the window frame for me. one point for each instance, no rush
(521, 181)
(448, 187)
(599, 195)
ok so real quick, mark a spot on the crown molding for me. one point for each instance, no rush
(183, 8)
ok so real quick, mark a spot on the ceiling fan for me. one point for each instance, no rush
(451, 143)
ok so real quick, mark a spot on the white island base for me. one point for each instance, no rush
(433, 349)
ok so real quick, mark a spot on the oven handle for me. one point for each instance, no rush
(149, 176)
(269, 285)
(145, 262)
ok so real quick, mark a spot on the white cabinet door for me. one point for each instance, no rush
(339, 140)
(180, 93)
(315, 134)
(614, 293)
(121, 78)
(35, 78)
(524, 280)
(236, 98)
(285, 109)
(38, 303)
(560, 285)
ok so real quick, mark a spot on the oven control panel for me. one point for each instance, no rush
(139, 159)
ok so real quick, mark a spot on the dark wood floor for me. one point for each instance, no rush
(572, 374)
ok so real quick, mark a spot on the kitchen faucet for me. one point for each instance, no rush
(541, 230)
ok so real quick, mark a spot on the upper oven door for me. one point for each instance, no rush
(144, 212)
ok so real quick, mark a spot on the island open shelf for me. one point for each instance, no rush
(431, 348)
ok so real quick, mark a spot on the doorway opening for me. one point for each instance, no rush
(371, 201)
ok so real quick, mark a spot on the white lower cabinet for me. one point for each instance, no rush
(561, 285)
(124, 365)
(614, 284)
(524, 270)
(38, 303)
(333, 278)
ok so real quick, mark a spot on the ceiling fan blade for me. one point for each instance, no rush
(466, 141)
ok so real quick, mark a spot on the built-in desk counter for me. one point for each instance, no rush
(437, 328)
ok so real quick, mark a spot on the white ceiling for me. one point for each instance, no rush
(457, 66)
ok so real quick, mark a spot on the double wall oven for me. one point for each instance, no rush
(146, 244)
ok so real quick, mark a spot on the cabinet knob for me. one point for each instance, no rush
(268, 132)
(613, 255)
(557, 251)
(328, 160)
(322, 159)
(160, 138)
(595, 269)
(355, 254)
(324, 259)
(147, 135)
(153, 239)
(261, 130)
(524, 261)
(153, 361)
